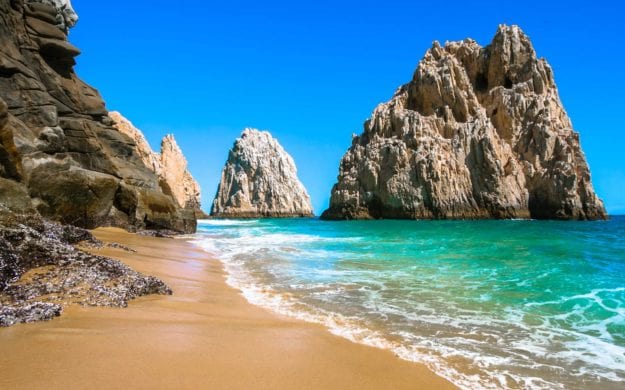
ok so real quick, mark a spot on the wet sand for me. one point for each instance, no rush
(205, 336)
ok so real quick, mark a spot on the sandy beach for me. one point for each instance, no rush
(204, 336)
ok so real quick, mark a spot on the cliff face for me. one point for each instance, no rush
(58, 144)
(260, 180)
(170, 165)
(479, 132)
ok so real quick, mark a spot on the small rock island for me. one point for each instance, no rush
(479, 132)
(260, 180)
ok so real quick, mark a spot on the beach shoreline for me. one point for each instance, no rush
(206, 335)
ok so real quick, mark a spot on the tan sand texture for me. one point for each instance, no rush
(205, 336)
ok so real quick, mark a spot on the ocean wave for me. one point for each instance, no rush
(227, 222)
(424, 352)
(378, 304)
(251, 243)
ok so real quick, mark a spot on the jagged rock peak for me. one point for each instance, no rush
(145, 152)
(170, 165)
(260, 180)
(479, 132)
(176, 173)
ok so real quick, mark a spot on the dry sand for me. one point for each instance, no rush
(205, 336)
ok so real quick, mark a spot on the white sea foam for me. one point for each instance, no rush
(495, 345)
(227, 222)
(350, 329)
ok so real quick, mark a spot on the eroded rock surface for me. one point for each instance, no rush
(170, 165)
(57, 142)
(65, 17)
(479, 132)
(260, 180)
(41, 271)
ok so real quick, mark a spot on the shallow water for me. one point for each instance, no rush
(486, 304)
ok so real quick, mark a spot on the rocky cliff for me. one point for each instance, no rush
(479, 132)
(59, 152)
(260, 180)
(170, 165)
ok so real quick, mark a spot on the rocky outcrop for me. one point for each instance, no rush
(41, 271)
(57, 143)
(260, 180)
(170, 165)
(183, 186)
(65, 17)
(479, 132)
(144, 151)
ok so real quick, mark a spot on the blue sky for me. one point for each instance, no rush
(312, 72)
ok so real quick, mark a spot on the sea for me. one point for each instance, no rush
(486, 304)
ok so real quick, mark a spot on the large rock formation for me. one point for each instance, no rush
(479, 132)
(170, 165)
(260, 180)
(57, 143)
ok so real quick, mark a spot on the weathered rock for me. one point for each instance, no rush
(170, 165)
(10, 163)
(41, 271)
(157, 233)
(4, 114)
(260, 180)
(479, 132)
(183, 186)
(145, 152)
(56, 139)
(38, 311)
(15, 196)
(59, 12)
(44, 28)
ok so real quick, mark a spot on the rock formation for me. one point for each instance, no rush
(41, 271)
(183, 186)
(260, 180)
(170, 165)
(66, 17)
(144, 151)
(57, 143)
(479, 132)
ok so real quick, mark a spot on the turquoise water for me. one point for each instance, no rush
(486, 304)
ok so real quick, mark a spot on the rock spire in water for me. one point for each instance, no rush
(260, 180)
(479, 132)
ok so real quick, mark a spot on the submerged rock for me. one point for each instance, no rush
(41, 271)
(479, 132)
(260, 180)
(57, 144)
